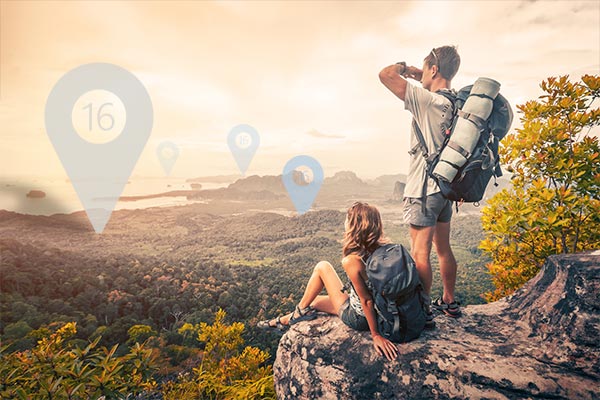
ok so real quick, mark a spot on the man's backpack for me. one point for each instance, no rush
(483, 162)
(397, 293)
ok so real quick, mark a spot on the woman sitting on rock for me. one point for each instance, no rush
(363, 235)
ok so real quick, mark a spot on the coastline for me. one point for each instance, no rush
(61, 197)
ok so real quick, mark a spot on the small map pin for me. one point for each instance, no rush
(302, 178)
(167, 153)
(98, 117)
(243, 141)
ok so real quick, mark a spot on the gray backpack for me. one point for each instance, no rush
(397, 293)
(482, 162)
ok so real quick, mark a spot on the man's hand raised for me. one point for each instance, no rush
(395, 82)
(413, 73)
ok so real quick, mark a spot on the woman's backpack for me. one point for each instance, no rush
(397, 293)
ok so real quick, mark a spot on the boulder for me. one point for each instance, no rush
(36, 194)
(540, 343)
(398, 194)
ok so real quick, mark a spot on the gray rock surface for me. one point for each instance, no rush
(540, 343)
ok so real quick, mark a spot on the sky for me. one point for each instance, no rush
(304, 74)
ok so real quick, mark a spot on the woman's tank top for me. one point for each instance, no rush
(355, 301)
(353, 296)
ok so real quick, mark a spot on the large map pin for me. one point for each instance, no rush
(98, 117)
(302, 178)
(243, 141)
(167, 153)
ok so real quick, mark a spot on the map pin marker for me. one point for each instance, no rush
(243, 141)
(167, 153)
(99, 154)
(302, 178)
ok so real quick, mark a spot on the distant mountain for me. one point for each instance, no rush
(345, 184)
(342, 185)
(341, 188)
(344, 178)
(388, 180)
(273, 182)
(257, 183)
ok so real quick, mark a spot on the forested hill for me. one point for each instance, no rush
(163, 267)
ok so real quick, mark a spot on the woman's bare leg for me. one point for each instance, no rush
(324, 304)
(323, 276)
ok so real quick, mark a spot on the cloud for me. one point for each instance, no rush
(315, 133)
(279, 67)
(189, 92)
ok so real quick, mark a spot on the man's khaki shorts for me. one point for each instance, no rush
(439, 209)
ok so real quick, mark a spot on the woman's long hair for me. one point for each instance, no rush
(364, 230)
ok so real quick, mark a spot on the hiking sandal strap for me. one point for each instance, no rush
(279, 324)
(303, 311)
(304, 314)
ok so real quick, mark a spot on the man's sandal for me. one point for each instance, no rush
(304, 314)
(450, 309)
(279, 326)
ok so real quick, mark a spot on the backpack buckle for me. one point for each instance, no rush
(416, 148)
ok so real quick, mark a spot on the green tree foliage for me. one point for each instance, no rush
(252, 266)
(553, 205)
(54, 370)
(140, 333)
(225, 372)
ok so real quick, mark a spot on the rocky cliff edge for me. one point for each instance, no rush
(541, 343)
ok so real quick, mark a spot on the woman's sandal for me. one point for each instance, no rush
(279, 326)
(305, 314)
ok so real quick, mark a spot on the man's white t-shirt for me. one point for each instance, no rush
(432, 112)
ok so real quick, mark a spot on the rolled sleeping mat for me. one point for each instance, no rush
(466, 133)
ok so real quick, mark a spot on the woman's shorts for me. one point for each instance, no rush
(351, 318)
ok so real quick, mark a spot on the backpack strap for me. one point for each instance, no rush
(479, 123)
(482, 95)
(396, 322)
(422, 145)
(459, 149)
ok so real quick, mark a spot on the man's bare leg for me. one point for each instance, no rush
(448, 265)
(421, 240)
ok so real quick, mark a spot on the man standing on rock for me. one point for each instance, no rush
(425, 208)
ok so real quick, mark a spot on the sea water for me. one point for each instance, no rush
(62, 198)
